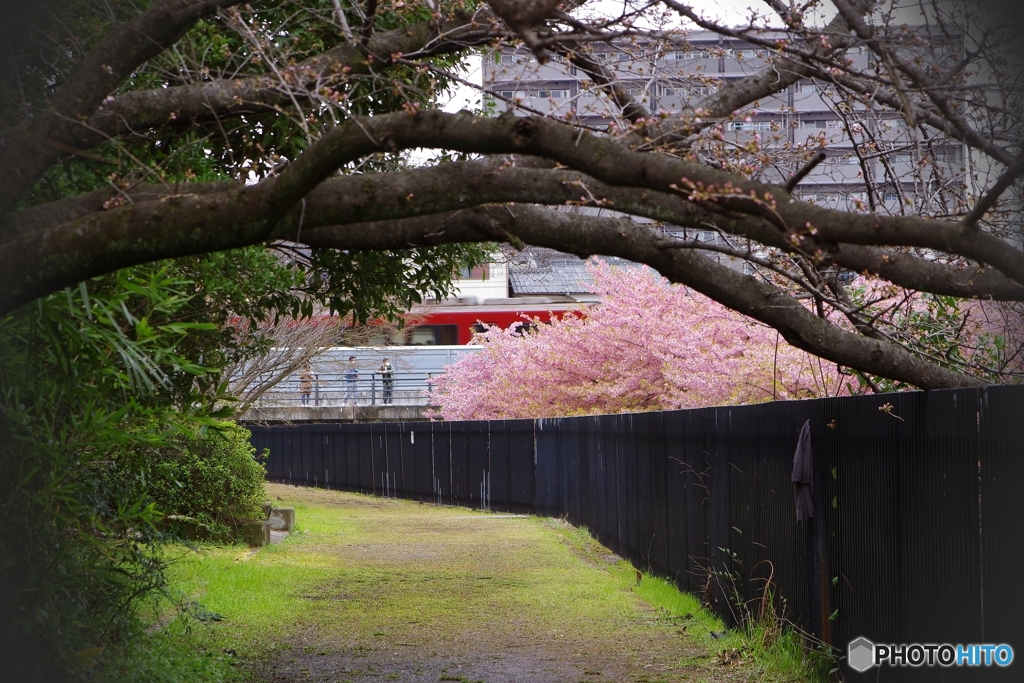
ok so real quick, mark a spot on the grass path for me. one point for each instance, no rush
(372, 589)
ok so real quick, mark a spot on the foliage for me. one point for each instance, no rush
(979, 338)
(255, 281)
(648, 345)
(85, 381)
(203, 480)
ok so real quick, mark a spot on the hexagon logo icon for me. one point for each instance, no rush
(860, 654)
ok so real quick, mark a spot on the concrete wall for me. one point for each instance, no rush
(309, 414)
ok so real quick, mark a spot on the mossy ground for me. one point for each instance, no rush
(372, 589)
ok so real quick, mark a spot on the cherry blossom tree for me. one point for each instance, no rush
(300, 112)
(649, 345)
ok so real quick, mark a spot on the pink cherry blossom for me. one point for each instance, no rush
(649, 345)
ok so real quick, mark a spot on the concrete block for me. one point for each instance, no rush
(282, 519)
(255, 532)
(267, 507)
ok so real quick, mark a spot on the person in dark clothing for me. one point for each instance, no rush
(387, 376)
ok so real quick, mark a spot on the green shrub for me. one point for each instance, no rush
(206, 481)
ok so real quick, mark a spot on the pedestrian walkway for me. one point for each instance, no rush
(418, 593)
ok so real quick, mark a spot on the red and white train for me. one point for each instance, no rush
(454, 323)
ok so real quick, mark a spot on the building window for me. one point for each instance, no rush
(481, 272)
(750, 125)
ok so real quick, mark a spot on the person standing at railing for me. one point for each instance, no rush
(387, 377)
(305, 384)
(351, 377)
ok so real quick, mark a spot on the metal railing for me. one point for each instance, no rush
(365, 389)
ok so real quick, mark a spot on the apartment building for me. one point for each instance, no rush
(907, 171)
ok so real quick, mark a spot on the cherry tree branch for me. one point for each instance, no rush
(117, 55)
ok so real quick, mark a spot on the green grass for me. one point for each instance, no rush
(360, 571)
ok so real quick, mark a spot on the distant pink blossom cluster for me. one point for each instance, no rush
(649, 345)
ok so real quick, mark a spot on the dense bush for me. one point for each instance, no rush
(205, 481)
(101, 395)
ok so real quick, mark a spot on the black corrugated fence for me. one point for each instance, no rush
(918, 533)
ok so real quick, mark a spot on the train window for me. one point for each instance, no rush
(447, 335)
(421, 336)
(433, 335)
(526, 328)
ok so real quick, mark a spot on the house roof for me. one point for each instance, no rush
(566, 277)
(537, 271)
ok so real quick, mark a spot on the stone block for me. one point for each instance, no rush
(282, 519)
(255, 532)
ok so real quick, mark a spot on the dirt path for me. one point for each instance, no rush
(417, 593)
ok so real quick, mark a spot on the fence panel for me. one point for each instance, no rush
(293, 444)
(645, 540)
(719, 522)
(868, 561)
(315, 443)
(403, 482)
(460, 464)
(631, 499)
(657, 448)
(278, 439)
(617, 454)
(382, 478)
(770, 544)
(547, 474)
(940, 517)
(673, 426)
(570, 478)
(369, 476)
(499, 432)
(416, 439)
(355, 477)
(476, 458)
(609, 430)
(522, 465)
(441, 459)
(592, 455)
(1001, 442)
(335, 467)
